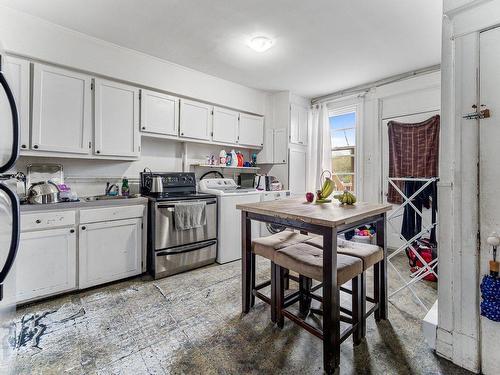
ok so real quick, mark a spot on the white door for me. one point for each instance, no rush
(280, 145)
(116, 124)
(17, 74)
(109, 251)
(394, 227)
(266, 155)
(159, 113)
(251, 130)
(61, 110)
(489, 177)
(225, 125)
(195, 120)
(297, 163)
(45, 263)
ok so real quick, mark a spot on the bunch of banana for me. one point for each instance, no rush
(346, 198)
(326, 189)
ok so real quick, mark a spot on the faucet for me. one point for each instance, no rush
(110, 187)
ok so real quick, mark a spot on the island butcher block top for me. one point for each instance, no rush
(326, 214)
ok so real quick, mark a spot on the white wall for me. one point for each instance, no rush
(35, 38)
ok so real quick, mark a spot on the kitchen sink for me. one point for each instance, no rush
(108, 197)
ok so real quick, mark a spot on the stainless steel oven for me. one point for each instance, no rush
(170, 249)
(167, 235)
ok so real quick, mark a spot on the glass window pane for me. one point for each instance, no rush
(346, 120)
(343, 138)
(343, 164)
(347, 181)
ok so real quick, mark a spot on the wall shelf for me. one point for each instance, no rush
(224, 167)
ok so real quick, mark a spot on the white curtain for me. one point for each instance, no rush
(319, 147)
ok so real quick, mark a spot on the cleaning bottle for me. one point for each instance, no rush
(234, 159)
(125, 187)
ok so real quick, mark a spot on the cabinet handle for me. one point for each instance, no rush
(35, 146)
(38, 221)
(182, 133)
(143, 128)
(72, 231)
(23, 146)
(84, 227)
(98, 152)
(284, 161)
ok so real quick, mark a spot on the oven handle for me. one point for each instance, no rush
(173, 205)
(187, 249)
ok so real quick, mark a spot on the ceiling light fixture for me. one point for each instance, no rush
(260, 43)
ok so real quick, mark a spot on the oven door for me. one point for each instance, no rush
(183, 258)
(167, 235)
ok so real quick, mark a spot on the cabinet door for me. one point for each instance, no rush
(116, 119)
(280, 146)
(109, 251)
(265, 156)
(159, 113)
(225, 125)
(195, 120)
(17, 73)
(297, 172)
(294, 124)
(61, 110)
(45, 263)
(251, 130)
(298, 124)
(303, 125)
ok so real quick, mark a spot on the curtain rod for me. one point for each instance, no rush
(381, 82)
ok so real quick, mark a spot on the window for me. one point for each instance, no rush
(343, 135)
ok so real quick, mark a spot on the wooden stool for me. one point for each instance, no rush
(307, 261)
(266, 247)
(371, 255)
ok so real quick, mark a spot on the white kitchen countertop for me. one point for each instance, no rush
(83, 204)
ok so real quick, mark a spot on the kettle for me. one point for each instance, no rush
(44, 192)
(156, 184)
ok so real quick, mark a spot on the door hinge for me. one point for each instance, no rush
(140, 95)
(212, 111)
(92, 85)
(90, 144)
(212, 134)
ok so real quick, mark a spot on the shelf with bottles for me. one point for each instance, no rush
(199, 165)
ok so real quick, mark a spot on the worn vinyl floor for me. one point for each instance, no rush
(191, 324)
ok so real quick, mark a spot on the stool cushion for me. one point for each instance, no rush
(307, 260)
(267, 246)
(369, 254)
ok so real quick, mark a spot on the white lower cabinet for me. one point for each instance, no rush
(45, 263)
(109, 251)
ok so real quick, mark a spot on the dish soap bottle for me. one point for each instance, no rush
(234, 159)
(125, 187)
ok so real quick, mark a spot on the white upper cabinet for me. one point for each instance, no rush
(225, 125)
(298, 124)
(61, 110)
(195, 120)
(116, 119)
(265, 156)
(17, 74)
(159, 113)
(297, 171)
(280, 146)
(251, 130)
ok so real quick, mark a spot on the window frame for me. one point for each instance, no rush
(342, 110)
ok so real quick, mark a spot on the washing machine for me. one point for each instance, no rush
(266, 229)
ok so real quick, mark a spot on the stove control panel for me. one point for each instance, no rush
(171, 182)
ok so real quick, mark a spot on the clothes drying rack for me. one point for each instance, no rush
(427, 267)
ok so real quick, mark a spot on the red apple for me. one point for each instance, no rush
(309, 197)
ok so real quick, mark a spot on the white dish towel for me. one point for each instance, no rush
(190, 215)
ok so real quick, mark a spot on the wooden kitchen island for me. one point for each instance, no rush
(328, 220)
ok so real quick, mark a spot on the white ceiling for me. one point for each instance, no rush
(321, 46)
